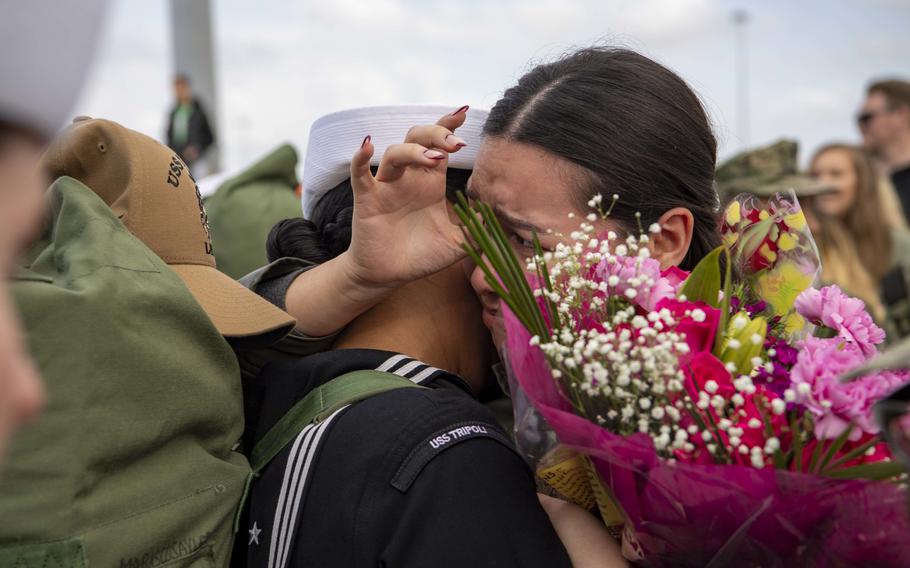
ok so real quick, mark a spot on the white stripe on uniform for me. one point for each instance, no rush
(391, 362)
(288, 527)
(424, 375)
(277, 522)
(405, 369)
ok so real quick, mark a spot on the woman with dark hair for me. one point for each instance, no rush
(599, 121)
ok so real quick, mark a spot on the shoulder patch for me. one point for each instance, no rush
(439, 442)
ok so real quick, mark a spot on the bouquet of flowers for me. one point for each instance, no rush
(702, 413)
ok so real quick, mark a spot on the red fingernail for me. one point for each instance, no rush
(461, 110)
(434, 155)
(366, 141)
(452, 139)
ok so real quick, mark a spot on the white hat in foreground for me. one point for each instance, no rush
(45, 52)
(335, 137)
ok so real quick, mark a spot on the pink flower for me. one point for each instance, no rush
(675, 277)
(833, 404)
(640, 274)
(704, 367)
(758, 407)
(847, 316)
(699, 334)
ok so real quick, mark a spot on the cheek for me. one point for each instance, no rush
(468, 266)
(849, 194)
(21, 204)
(478, 281)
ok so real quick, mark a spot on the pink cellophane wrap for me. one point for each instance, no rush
(722, 515)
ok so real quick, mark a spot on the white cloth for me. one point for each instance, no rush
(335, 137)
(45, 50)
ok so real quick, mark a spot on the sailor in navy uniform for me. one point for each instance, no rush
(409, 477)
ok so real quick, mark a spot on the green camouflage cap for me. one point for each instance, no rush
(765, 171)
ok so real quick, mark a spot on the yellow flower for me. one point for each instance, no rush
(796, 221)
(786, 241)
(745, 340)
(734, 214)
(766, 252)
(780, 287)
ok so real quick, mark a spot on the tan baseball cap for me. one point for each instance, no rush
(151, 190)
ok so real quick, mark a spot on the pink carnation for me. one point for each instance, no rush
(835, 405)
(675, 276)
(654, 285)
(847, 316)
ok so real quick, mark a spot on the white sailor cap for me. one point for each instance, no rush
(45, 51)
(335, 137)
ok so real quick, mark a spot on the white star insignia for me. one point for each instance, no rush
(254, 535)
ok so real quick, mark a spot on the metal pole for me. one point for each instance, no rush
(191, 34)
(741, 76)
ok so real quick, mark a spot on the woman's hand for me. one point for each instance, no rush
(585, 537)
(402, 229)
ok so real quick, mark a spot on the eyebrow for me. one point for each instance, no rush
(513, 222)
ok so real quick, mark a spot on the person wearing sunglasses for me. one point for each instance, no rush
(884, 122)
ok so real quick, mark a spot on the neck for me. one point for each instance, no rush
(896, 154)
(430, 321)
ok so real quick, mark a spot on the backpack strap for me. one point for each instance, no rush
(320, 403)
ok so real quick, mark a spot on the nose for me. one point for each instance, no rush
(484, 291)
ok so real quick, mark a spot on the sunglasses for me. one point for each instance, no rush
(864, 118)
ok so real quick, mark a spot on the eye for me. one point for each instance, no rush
(520, 242)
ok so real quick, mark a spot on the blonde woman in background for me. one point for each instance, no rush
(840, 260)
(867, 210)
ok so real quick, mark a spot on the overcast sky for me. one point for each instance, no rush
(281, 64)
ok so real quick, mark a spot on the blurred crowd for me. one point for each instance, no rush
(856, 196)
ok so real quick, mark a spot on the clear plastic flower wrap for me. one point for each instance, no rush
(703, 412)
(687, 514)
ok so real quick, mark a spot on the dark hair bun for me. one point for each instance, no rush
(336, 234)
(296, 238)
(301, 238)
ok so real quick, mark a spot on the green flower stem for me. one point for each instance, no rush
(835, 447)
(852, 455)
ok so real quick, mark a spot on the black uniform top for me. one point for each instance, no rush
(199, 132)
(901, 180)
(409, 477)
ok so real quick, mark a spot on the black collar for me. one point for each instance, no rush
(282, 383)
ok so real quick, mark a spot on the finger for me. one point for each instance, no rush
(455, 119)
(435, 136)
(361, 176)
(399, 157)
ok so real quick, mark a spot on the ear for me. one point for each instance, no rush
(671, 244)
